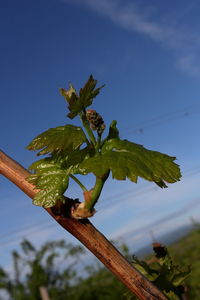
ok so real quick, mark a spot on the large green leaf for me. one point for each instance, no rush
(73, 160)
(51, 175)
(52, 181)
(129, 160)
(59, 139)
(77, 104)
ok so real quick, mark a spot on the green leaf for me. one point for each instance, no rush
(51, 175)
(52, 181)
(72, 161)
(70, 94)
(129, 160)
(171, 295)
(113, 131)
(144, 268)
(180, 276)
(166, 276)
(59, 139)
(77, 104)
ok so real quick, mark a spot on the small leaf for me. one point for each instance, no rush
(171, 295)
(69, 95)
(59, 139)
(52, 181)
(113, 131)
(144, 268)
(86, 95)
(180, 276)
(129, 160)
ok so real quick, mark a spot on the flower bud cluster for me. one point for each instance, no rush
(96, 121)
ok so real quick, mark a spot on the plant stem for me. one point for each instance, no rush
(87, 128)
(98, 143)
(78, 182)
(96, 191)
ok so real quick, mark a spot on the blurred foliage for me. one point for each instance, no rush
(54, 266)
(187, 251)
(33, 268)
(163, 272)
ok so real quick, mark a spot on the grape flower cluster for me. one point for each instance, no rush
(96, 121)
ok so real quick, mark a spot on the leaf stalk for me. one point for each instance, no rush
(78, 182)
(87, 128)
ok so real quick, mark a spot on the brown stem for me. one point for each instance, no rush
(88, 235)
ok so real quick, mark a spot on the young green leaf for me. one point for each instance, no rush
(161, 270)
(144, 268)
(52, 181)
(130, 160)
(113, 131)
(77, 104)
(59, 139)
(180, 276)
(70, 95)
(172, 296)
(51, 175)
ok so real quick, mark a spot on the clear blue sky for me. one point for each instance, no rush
(147, 54)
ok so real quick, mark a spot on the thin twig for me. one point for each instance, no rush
(88, 235)
(44, 293)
